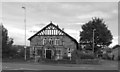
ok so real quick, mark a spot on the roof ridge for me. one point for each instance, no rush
(54, 26)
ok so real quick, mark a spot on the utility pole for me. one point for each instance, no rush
(25, 29)
(93, 39)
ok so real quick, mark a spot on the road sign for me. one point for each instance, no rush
(69, 54)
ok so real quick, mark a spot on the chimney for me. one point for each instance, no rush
(51, 22)
(62, 29)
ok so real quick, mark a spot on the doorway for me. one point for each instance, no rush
(48, 54)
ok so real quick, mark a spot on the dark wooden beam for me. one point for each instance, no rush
(53, 32)
(49, 35)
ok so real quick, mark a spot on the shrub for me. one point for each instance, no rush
(82, 55)
(48, 61)
(64, 61)
(66, 57)
(88, 61)
(75, 55)
(106, 56)
(87, 56)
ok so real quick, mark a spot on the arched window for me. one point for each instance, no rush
(44, 41)
(57, 41)
(51, 41)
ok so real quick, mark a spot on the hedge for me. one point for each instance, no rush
(82, 55)
(87, 61)
(77, 61)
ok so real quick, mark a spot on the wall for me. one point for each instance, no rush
(67, 43)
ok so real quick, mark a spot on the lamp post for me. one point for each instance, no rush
(93, 39)
(25, 29)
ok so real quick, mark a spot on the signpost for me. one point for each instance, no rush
(69, 53)
(93, 38)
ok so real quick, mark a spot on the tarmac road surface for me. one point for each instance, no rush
(107, 65)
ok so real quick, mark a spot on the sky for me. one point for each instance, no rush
(68, 15)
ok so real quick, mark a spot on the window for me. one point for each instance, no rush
(44, 41)
(57, 41)
(51, 41)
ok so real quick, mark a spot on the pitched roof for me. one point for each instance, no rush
(116, 46)
(55, 27)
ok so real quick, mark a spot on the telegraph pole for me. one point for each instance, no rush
(93, 39)
(25, 29)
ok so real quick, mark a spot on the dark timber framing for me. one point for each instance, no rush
(52, 38)
(59, 33)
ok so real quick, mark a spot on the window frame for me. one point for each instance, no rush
(57, 41)
(44, 41)
(51, 41)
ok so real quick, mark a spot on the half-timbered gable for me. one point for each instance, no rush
(51, 42)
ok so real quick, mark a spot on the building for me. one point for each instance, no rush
(51, 42)
(115, 52)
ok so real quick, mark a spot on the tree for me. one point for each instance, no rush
(6, 42)
(102, 36)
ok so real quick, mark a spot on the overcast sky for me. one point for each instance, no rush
(68, 15)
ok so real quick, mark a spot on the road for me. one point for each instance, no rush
(107, 65)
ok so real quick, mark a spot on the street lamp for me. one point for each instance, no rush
(25, 30)
(93, 39)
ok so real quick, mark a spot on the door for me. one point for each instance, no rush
(48, 54)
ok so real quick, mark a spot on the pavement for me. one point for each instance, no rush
(106, 65)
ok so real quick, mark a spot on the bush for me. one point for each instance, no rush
(66, 57)
(87, 56)
(63, 61)
(88, 61)
(48, 61)
(106, 56)
(75, 55)
(82, 55)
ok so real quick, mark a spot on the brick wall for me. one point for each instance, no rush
(67, 42)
